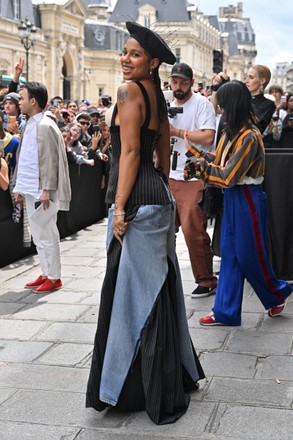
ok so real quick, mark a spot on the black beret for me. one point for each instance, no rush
(153, 44)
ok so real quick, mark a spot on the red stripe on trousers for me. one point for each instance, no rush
(259, 248)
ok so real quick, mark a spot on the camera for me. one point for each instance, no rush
(106, 100)
(174, 153)
(215, 87)
(173, 111)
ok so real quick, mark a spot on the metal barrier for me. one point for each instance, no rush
(87, 207)
(278, 185)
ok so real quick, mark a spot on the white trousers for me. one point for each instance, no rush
(46, 238)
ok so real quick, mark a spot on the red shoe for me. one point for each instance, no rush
(209, 320)
(36, 283)
(48, 286)
(276, 310)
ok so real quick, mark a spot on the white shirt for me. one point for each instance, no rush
(198, 114)
(27, 181)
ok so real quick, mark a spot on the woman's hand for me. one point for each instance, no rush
(191, 148)
(103, 156)
(119, 225)
(96, 137)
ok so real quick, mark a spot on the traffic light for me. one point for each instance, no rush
(217, 61)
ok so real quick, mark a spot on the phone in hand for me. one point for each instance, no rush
(96, 129)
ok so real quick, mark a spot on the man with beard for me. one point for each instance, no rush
(198, 118)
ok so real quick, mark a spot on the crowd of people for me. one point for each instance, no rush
(82, 124)
(143, 355)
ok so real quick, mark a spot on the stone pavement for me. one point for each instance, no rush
(45, 349)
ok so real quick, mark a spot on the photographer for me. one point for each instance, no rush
(196, 115)
(272, 134)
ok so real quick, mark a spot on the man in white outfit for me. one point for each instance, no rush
(42, 179)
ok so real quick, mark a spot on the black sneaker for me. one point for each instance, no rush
(202, 291)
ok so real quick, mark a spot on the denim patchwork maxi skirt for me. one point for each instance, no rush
(143, 356)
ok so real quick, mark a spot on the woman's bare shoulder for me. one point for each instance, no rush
(126, 91)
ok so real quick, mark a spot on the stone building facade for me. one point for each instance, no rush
(78, 43)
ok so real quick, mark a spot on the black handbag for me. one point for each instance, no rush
(212, 201)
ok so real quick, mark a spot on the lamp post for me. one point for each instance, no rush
(27, 34)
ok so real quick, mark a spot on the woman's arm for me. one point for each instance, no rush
(129, 102)
(4, 179)
(130, 105)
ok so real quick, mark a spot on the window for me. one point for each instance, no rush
(178, 54)
(16, 9)
(147, 21)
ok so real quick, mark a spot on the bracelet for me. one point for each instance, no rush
(118, 214)
(120, 195)
(179, 133)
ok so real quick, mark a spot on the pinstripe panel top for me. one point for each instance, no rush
(149, 188)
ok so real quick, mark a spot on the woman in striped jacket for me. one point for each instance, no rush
(238, 166)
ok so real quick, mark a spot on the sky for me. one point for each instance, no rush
(272, 24)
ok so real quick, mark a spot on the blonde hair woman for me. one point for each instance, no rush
(257, 79)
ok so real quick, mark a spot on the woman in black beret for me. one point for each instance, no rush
(143, 356)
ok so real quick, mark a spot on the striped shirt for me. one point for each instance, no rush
(237, 161)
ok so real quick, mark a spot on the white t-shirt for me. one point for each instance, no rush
(27, 181)
(198, 114)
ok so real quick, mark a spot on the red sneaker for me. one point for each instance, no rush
(36, 283)
(209, 320)
(276, 310)
(48, 286)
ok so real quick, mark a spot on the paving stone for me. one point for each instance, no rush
(44, 377)
(85, 284)
(256, 392)
(63, 296)
(69, 332)
(229, 365)
(205, 339)
(74, 271)
(24, 431)
(90, 316)
(252, 423)
(192, 424)
(13, 296)
(57, 408)
(6, 393)
(94, 299)
(21, 351)
(51, 312)
(277, 367)
(16, 329)
(252, 304)
(260, 343)
(7, 309)
(112, 435)
(65, 354)
(186, 274)
(77, 260)
(280, 324)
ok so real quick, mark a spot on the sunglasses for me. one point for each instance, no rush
(84, 122)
